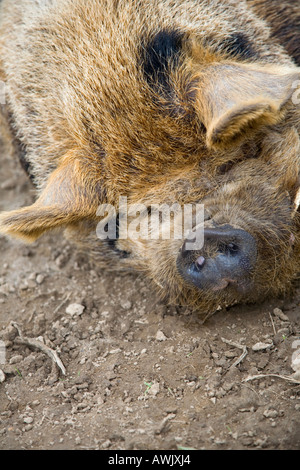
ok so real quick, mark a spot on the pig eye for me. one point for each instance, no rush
(249, 150)
(225, 167)
(207, 215)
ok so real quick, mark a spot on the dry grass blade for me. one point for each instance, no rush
(283, 377)
(35, 343)
(239, 346)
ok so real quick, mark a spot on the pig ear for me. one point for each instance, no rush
(233, 99)
(67, 198)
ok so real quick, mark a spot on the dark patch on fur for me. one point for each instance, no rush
(238, 45)
(159, 55)
(24, 162)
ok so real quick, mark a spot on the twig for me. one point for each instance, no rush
(62, 303)
(272, 321)
(239, 346)
(284, 377)
(35, 343)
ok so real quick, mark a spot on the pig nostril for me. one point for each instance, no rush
(229, 249)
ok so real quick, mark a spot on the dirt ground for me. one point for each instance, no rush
(139, 375)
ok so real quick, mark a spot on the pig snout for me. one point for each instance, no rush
(227, 258)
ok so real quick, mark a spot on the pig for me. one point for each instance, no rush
(162, 103)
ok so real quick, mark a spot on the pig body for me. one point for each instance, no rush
(161, 102)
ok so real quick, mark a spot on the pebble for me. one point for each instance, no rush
(279, 313)
(106, 444)
(35, 403)
(7, 289)
(2, 376)
(160, 336)
(296, 361)
(23, 286)
(270, 414)
(154, 390)
(230, 354)
(16, 359)
(75, 309)
(9, 333)
(28, 420)
(61, 261)
(126, 305)
(28, 427)
(40, 279)
(261, 346)
(115, 351)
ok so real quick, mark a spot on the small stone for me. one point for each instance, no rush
(230, 354)
(279, 313)
(61, 260)
(24, 285)
(126, 305)
(261, 346)
(28, 420)
(16, 359)
(154, 390)
(32, 276)
(9, 333)
(35, 403)
(160, 336)
(40, 279)
(296, 357)
(106, 444)
(100, 401)
(28, 427)
(2, 376)
(115, 351)
(75, 309)
(270, 414)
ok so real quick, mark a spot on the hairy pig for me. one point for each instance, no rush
(155, 105)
